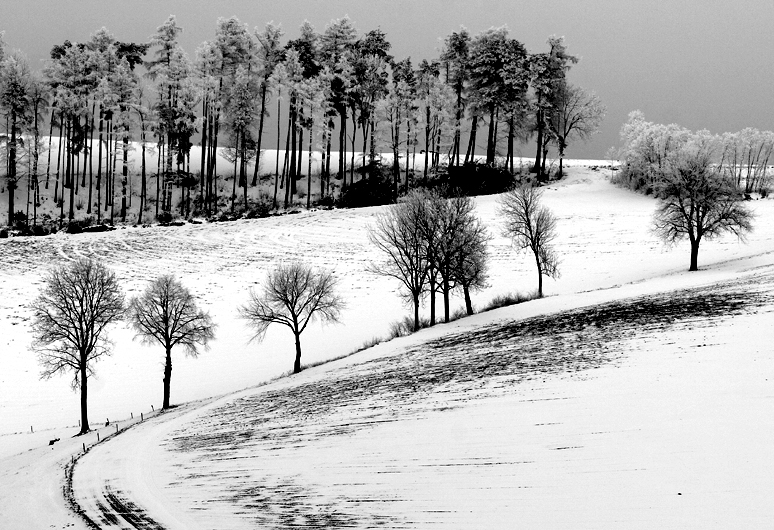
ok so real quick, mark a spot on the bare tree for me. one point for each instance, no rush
(166, 313)
(69, 322)
(529, 225)
(697, 202)
(453, 235)
(575, 113)
(399, 234)
(470, 264)
(293, 295)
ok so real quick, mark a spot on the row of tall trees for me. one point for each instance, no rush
(102, 97)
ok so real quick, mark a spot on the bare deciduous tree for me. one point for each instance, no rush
(453, 237)
(166, 313)
(575, 113)
(529, 225)
(470, 265)
(399, 234)
(293, 296)
(698, 202)
(69, 322)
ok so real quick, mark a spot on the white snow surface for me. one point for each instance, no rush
(660, 424)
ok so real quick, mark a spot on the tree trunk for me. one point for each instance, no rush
(290, 190)
(446, 290)
(427, 143)
(276, 169)
(490, 139)
(468, 303)
(124, 178)
(58, 162)
(352, 154)
(99, 164)
(50, 134)
(470, 155)
(328, 161)
(416, 313)
(71, 177)
(538, 164)
(234, 184)
(343, 149)
(91, 157)
(309, 172)
(11, 167)
(203, 202)
(167, 377)
(694, 256)
(540, 276)
(432, 299)
(143, 183)
(260, 135)
(297, 363)
(84, 397)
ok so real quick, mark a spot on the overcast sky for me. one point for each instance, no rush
(700, 63)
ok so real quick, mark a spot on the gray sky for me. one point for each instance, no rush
(699, 63)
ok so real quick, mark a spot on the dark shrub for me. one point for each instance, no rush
(474, 178)
(326, 202)
(20, 220)
(375, 189)
(164, 218)
(39, 230)
(73, 227)
(259, 209)
(3, 233)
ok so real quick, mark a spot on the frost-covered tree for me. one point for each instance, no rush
(697, 201)
(166, 313)
(493, 56)
(371, 58)
(547, 72)
(436, 102)
(336, 43)
(175, 117)
(70, 318)
(531, 227)
(293, 295)
(455, 57)
(16, 102)
(269, 53)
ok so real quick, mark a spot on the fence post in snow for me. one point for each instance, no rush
(98, 436)
(84, 447)
(141, 416)
(116, 428)
(31, 431)
(132, 413)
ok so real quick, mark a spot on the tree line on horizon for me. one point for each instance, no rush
(95, 99)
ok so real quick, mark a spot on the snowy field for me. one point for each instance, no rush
(634, 395)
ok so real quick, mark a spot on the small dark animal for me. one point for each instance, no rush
(52, 442)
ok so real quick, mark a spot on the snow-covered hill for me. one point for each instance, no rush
(598, 422)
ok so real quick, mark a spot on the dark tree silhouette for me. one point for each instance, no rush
(293, 295)
(529, 225)
(399, 234)
(69, 322)
(697, 202)
(166, 313)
